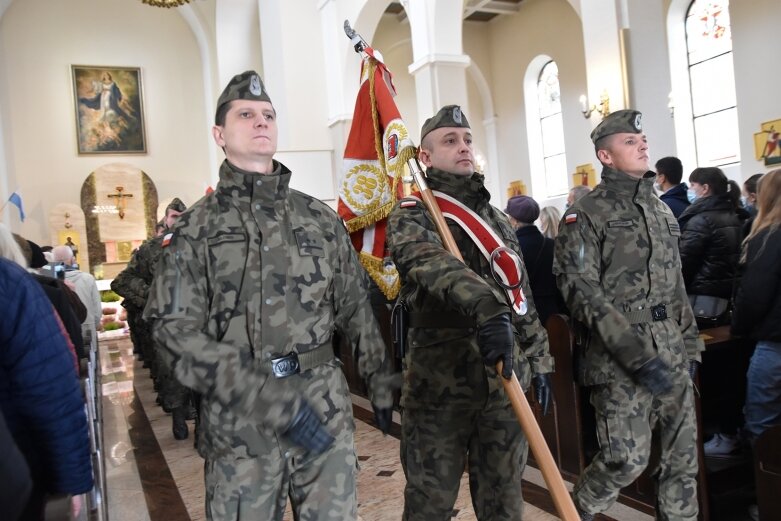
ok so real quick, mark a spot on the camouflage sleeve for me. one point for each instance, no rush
(689, 331)
(129, 284)
(533, 337)
(421, 257)
(354, 318)
(577, 266)
(179, 303)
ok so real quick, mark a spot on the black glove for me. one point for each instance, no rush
(307, 431)
(496, 340)
(543, 392)
(655, 376)
(694, 366)
(383, 417)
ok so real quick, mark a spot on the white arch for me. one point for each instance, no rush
(489, 123)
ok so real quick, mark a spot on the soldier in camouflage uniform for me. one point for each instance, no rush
(133, 283)
(455, 411)
(618, 267)
(253, 281)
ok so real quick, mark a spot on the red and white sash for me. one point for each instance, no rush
(484, 237)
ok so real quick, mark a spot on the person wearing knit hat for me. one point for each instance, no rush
(455, 408)
(253, 281)
(618, 265)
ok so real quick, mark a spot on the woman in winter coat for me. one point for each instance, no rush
(757, 312)
(711, 234)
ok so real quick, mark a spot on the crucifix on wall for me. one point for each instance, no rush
(120, 196)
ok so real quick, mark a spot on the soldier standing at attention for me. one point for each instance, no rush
(133, 284)
(253, 281)
(618, 267)
(455, 410)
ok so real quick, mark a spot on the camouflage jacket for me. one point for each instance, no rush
(252, 270)
(617, 257)
(443, 367)
(134, 281)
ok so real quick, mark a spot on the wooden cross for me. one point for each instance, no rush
(120, 196)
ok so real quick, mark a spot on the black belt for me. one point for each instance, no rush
(439, 320)
(650, 314)
(294, 363)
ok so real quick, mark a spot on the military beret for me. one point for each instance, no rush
(246, 85)
(448, 116)
(523, 209)
(176, 205)
(626, 120)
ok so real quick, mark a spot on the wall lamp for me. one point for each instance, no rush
(602, 109)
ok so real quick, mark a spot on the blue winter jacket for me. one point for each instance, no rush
(40, 395)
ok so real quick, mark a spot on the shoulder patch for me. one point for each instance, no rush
(571, 218)
(408, 203)
(167, 239)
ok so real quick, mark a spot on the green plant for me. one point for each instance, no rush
(109, 296)
(112, 326)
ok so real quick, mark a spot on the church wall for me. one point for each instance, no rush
(542, 27)
(755, 29)
(39, 41)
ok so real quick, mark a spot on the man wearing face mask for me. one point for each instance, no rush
(618, 268)
(669, 173)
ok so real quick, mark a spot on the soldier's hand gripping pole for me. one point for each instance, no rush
(542, 455)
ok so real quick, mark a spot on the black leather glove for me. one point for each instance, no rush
(694, 366)
(307, 431)
(543, 392)
(496, 340)
(655, 376)
(383, 417)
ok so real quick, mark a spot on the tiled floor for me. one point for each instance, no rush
(153, 477)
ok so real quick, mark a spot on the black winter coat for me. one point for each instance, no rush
(537, 253)
(757, 311)
(711, 233)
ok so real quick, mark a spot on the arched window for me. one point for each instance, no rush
(552, 130)
(712, 80)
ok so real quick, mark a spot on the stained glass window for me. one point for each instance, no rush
(549, 102)
(712, 77)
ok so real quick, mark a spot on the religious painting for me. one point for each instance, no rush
(767, 143)
(109, 110)
(124, 250)
(584, 175)
(70, 238)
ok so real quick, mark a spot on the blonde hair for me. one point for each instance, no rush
(9, 248)
(549, 221)
(769, 203)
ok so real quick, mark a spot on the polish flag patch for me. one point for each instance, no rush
(408, 204)
(167, 239)
(571, 218)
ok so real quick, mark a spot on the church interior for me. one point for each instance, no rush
(106, 111)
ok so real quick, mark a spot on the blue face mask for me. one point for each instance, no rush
(691, 195)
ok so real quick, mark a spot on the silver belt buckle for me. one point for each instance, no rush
(285, 366)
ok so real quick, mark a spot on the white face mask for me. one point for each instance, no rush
(658, 188)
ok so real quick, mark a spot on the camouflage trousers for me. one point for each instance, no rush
(437, 446)
(320, 488)
(627, 418)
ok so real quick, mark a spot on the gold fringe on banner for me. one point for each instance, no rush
(376, 269)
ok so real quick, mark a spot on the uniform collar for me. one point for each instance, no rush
(624, 183)
(252, 186)
(470, 190)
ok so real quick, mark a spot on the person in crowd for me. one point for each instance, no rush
(14, 474)
(757, 312)
(40, 395)
(711, 233)
(748, 200)
(252, 283)
(669, 175)
(537, 256)
(456, 414)
(549, 221)
(66, 302)
(86, 288)
(133, 284)
(617, 265)
(575, 193)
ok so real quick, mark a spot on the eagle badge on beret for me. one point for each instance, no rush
(638, 122)
(254, 85)
(457, 114)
